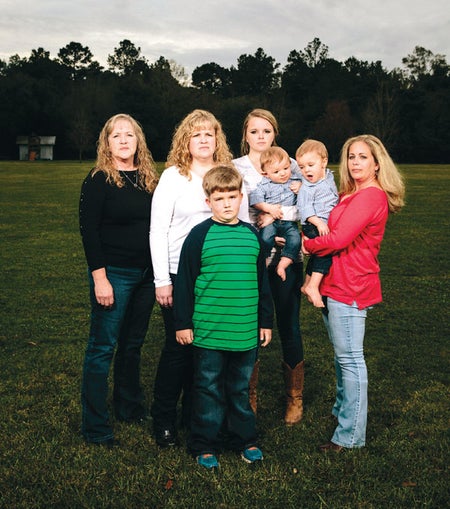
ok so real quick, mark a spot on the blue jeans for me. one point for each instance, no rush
(286, 229)
(220, 392)
(346, 326)
(125, 326)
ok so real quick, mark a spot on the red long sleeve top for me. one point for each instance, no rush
(357, 227)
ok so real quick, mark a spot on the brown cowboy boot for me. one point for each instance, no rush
(293, 382)
(252, 387)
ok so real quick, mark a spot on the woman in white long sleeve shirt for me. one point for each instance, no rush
(179, 204)
(259, 132)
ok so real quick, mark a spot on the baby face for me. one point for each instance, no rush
(312, 166)
(279, 172)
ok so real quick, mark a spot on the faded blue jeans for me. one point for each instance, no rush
(125, 326)
(346, 326)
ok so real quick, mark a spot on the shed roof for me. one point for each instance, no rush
(44, 140)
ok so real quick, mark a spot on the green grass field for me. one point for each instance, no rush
(44, 312)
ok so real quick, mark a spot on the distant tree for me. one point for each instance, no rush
(212, 77)
(162, 64)
(381, 116)
(78, 59)
(179, 73)
(127, 59)
(81, 133)
(255, 74)
(422, 62)
(315, 53)
(39, 54)
(334, 127)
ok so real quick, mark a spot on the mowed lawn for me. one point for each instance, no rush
(44, 314)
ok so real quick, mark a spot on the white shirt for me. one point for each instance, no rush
(178, 205)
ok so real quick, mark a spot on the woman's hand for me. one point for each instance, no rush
(304, 250)
(185, 336)
(280, 241)
(275, 211)
(264, 219)
(103, 290)
(164, 296)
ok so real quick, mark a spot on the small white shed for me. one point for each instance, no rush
(32, 148)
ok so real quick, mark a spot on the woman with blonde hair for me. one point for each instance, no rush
(179, 203)
(259, 133)
(371, 187)
(115, 205)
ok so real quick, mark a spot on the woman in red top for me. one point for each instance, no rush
(370, 188)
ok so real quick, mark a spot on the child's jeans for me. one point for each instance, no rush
(220, 396)
(316, 263)
(286, 229)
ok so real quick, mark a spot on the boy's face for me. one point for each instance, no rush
(225, 206)
(312, 166)
(279, 172)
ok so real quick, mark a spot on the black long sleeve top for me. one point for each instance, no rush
(114, 223)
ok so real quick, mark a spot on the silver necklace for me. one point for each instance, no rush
(134, 184)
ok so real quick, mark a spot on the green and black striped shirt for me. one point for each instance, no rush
(222, 290)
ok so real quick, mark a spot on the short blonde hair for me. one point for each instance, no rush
(143, 160)
(179, 154)
(272, 156)
(388, 175)
(312, 146)
(222, 178)
(257, 113)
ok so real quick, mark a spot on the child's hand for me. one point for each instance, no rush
(295, 186)
(322, 227)
(185, 336)
(265, 337)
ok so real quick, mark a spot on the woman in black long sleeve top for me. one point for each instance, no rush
(115, 205)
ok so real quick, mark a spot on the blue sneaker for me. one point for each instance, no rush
(208, 461)
(251, 455)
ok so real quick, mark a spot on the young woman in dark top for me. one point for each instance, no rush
(115, 206)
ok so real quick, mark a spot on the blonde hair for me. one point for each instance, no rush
(274, 155)
(312, 146)
(222, 178)
(179, 154)
(257, 113)
(143, 160)
(388, 176)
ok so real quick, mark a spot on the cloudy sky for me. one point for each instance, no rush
(194, 32)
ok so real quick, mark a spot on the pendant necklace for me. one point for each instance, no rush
(134, 184)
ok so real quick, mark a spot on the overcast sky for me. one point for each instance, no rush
(194, 32)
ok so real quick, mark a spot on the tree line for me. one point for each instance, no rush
(313, 95)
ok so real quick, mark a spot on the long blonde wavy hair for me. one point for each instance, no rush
(179, 154)
(258, 113)
(143, 160)
(387, 175)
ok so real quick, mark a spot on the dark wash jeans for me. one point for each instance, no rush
(124, 326)
(220, 394)
(173, 378)
(286, 298)
(316, 263)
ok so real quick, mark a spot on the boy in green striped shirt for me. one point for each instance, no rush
(223, 307)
